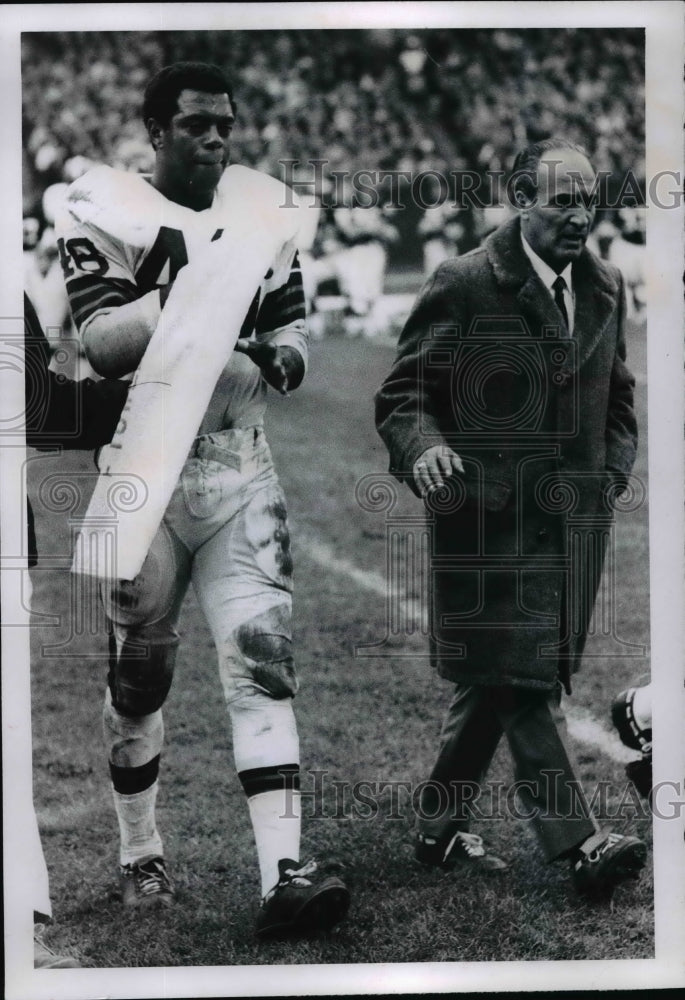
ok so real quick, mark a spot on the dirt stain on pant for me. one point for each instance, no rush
(266, 644)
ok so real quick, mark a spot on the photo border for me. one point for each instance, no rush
(663, 22)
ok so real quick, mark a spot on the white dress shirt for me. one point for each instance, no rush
(547, 276)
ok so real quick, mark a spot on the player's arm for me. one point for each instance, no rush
(280, 344)
(116, 339)
(114, 319)
(410, 402)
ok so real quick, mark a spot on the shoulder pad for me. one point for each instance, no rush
(245, 191)
(118, 202)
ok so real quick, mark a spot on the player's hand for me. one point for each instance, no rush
(270, 359)
(434, 466)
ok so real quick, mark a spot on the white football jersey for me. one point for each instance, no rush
(120, 240)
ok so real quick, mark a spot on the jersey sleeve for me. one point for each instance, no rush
(98, 267)
(96, 272)
(106, 301)
(281, 317)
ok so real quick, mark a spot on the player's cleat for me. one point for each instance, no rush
(304, 900)
(145, 884)
(462, 849)
(633, 735)
(45, 958)
(604, 860)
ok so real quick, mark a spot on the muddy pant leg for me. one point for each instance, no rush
(243, 581)
(143, 642)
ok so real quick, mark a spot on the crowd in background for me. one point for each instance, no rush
(428, 100)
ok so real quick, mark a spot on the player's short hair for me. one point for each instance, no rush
(524, 172)
(162, 92)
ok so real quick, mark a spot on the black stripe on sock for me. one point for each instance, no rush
(274, 778)
(129, 780)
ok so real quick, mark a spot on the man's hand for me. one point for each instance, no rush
(282, 367)
(434, 466)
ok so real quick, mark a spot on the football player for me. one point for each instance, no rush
(123, 241)
(631, 714)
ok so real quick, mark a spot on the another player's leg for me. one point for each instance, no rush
(374, 275)
(143, 646)
(351, 279)
(469, 738)
(243, 581)
(554, 799)
(43, 956)
(631, 714)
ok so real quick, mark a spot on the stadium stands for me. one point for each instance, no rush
(383, 99)
(374, 100)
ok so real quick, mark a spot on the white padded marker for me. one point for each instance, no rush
(176, 377)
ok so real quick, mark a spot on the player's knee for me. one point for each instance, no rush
(139, 684)
(123, 728)
(131, 741)
(267, 650)
(151, 598)
(132, 604)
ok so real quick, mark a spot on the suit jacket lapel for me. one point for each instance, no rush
(596, 291)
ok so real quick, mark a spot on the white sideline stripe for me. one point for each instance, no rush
(325, 556)
(583, 728)
(581, 725)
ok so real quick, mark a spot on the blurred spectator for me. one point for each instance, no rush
(43, 279)
(50, 300)
(442, 232)
(620, 240)
(33, 278)
(363, 234)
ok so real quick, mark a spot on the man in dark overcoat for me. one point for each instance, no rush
(509, 409)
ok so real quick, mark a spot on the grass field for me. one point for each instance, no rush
(361, 718)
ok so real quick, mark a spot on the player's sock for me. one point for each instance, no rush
(275, 819)
(137, 828)
(134, 744)
(264, 737)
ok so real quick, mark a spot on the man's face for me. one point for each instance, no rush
(558, 224)
(193, 149)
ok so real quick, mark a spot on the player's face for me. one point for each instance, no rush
(558, 225)
(193, 149)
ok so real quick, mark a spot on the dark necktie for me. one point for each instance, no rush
(559, 285)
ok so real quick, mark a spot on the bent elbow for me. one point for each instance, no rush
(104, 350)
(99, 357)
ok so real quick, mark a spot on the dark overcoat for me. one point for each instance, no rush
(545, 426)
